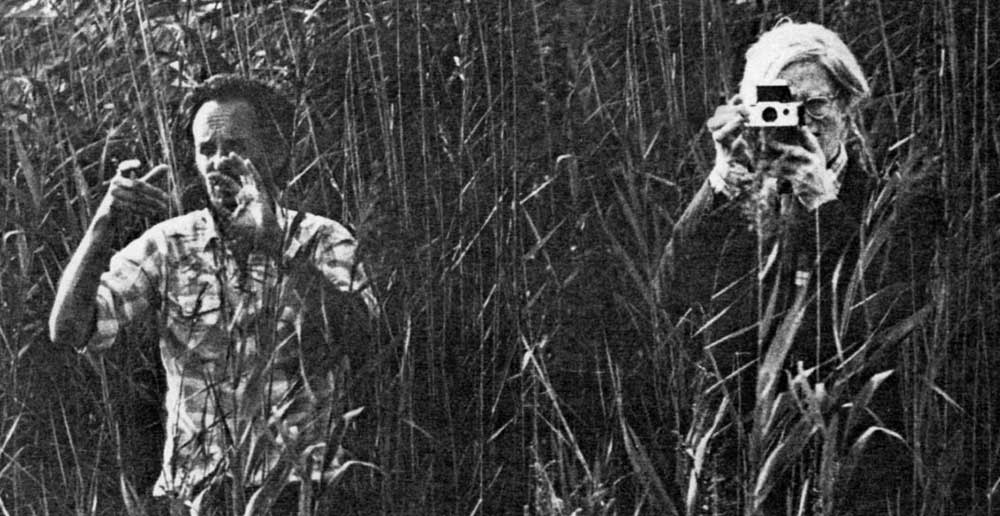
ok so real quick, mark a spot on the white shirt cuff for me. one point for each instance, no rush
(719, 184)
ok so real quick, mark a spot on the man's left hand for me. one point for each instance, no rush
(255, 218)
(805, 168)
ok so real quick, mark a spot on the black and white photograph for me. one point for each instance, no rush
(499, 257)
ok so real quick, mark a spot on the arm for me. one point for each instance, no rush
(340, 307)
(74, 312)
(711, 228)
(335, 257)
(73, 316)
(703, 233)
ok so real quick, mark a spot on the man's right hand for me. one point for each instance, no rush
(73, 310)
(731, 174)
(130, 195)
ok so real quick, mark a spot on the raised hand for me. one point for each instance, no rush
(804, 166)
(128, 195)
(731, 173)
(255, 217)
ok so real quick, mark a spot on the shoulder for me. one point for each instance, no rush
(192, 224)
(308, 226)
(319, 236)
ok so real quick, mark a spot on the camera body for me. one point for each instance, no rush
(775, 106)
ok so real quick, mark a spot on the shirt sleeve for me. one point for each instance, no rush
(334, 254)
(126, 290)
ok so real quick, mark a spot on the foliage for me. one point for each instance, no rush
(512, 170)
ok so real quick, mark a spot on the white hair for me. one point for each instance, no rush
(790, 43)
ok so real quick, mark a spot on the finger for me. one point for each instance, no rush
(134, 187)
(764, 166)
(150, 190)
(738, 175)
(139, 208)
(723, 116)
(793, 151)
(728, 132)
(137, 185)
(263, 186)
(238, 160)
(254, 173)
(784, 168)
(810, 142)
(781, 167)
(134, 197)
(128, 167)
(154, 174)
(740, 150)
(244, 166)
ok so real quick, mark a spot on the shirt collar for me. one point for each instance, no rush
(206, 225)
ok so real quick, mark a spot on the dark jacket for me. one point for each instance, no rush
(717, 257)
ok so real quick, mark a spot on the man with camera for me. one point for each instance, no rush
(769, 247)
(786, 193)
(253, 303)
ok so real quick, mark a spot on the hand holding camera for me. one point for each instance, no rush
(732, 174)
(786, 149)
(802, 166)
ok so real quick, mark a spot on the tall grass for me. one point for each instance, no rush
(512, 170)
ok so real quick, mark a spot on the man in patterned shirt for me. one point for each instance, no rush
(248, 297)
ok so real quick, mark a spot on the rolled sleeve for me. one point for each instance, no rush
(332, 251)
(335, 257)
(126, 289)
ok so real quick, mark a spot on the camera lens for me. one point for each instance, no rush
(769, 114)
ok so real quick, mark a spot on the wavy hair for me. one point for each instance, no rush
(791, 42)
(275, 116)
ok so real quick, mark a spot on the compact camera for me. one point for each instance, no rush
(775, 107)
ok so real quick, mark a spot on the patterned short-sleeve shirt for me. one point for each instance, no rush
(247, 349)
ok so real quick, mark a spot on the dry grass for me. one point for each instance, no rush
(513, 170)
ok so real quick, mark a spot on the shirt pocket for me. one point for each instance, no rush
(193, 314)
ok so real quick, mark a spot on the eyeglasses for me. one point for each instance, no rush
(819, 107)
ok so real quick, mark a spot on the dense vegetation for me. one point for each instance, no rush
(513, 169)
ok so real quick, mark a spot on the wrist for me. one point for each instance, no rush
(98, 236)
(717, 180)
(100, 223)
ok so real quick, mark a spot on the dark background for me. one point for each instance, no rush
(512, 169)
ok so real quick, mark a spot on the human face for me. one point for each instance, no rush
(221, 128)
(807, 79)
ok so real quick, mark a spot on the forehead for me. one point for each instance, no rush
(808, 78)
(231, 118)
